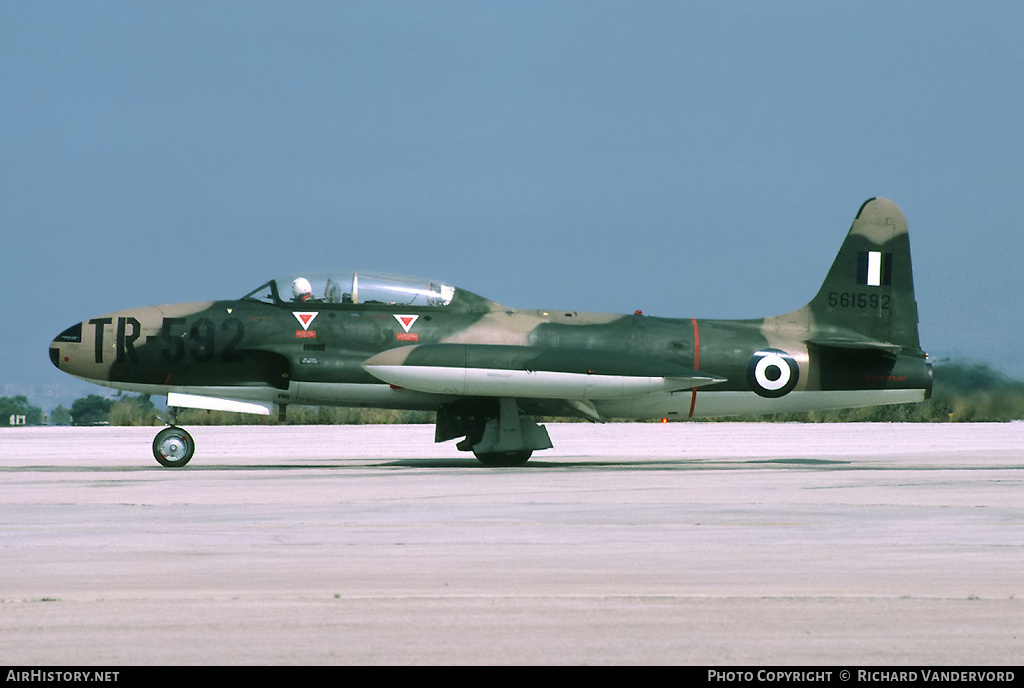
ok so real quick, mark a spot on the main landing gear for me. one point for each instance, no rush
(496, 431)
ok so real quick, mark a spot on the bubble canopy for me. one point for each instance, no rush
(353, 288)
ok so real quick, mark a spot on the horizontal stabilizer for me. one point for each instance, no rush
(852, 344)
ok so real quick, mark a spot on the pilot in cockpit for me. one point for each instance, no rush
(301, 290)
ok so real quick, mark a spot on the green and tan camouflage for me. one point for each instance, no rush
(489, 371)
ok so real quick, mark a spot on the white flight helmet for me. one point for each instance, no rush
(301, 289)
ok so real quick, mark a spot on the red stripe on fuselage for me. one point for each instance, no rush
(696, 363)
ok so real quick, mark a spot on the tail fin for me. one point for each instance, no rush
(867, 299)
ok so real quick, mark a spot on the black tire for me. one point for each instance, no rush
(509, 458)
(173, 447)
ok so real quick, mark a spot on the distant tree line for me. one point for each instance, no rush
(16, 408)
(962, 392)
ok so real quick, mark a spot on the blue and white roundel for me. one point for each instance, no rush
(772, 373)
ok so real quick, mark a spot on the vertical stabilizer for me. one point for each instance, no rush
(868, 295)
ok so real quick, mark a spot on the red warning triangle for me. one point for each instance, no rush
(305, 318)
(406, 321)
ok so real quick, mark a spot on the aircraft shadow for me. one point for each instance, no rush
(460, 463)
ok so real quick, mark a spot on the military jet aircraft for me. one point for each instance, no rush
(489, 371)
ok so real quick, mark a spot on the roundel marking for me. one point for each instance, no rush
(772, 373)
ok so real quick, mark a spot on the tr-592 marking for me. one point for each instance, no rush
(198, 341)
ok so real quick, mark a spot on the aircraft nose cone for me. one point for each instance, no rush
(70, 336)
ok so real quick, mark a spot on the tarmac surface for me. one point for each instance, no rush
(681, 543)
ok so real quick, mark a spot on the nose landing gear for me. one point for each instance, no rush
(173, 447)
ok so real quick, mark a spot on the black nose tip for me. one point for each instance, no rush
(72, 335)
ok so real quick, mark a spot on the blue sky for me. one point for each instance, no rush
(690, 159)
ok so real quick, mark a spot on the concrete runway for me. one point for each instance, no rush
(683, 543)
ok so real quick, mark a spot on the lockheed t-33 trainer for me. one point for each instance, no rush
(489, 371)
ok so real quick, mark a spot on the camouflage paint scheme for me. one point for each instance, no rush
(488, 370)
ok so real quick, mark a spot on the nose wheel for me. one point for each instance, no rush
(173, 447)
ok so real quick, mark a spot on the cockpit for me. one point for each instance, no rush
(353, 288)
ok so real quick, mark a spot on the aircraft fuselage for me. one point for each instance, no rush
(628, 366)
(369, 340)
